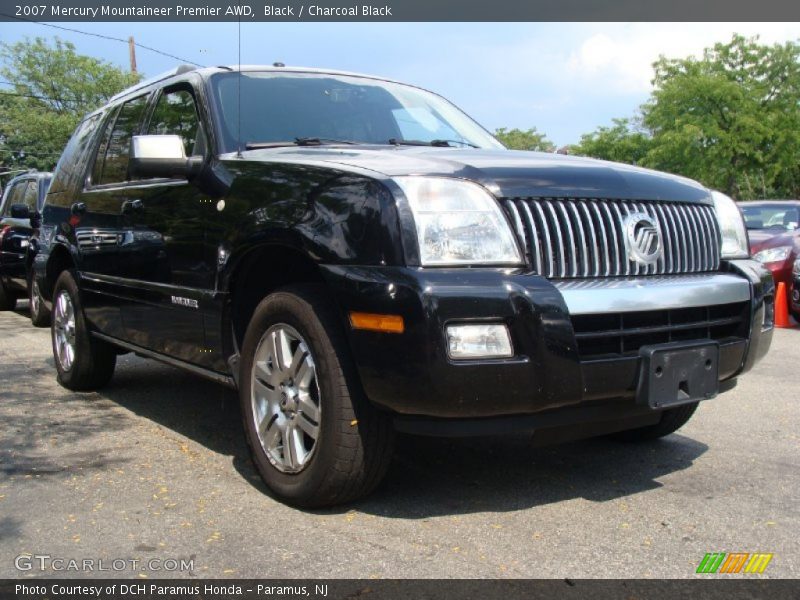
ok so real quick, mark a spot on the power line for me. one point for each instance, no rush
(38, 97)
(28, 96)
(104, 37)
(30, 153)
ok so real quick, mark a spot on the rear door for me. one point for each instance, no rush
(96, 216)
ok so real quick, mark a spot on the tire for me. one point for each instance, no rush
(40, 314)
(672, 419)
(7, 301)
(353, 444)
(83, 363)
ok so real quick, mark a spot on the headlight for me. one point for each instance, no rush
(771, 255)
(731, 225)
(458, 223)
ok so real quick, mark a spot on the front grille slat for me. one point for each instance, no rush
(560, 251)
(669, 265)
(614, 335)
(602, 238)
(569, 243)
(590, 243)
(585, 238)
(703, 326)
(547, 245)
(623, 252)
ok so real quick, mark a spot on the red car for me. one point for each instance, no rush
(774, 230)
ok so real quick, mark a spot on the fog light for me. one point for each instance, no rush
(478, 341)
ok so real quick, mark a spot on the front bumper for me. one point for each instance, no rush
(411, 374)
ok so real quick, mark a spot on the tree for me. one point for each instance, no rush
(516, 139)
(622, 142)
(730, 119)
(52, 88)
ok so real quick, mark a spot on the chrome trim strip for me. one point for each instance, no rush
(169, 360)
(597, 296)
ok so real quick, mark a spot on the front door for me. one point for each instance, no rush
(166, 268)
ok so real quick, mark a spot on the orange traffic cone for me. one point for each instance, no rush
(781, 307)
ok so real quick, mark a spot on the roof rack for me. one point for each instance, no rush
(179, 70)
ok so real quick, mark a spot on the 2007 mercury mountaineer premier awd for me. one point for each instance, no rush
(357, 257)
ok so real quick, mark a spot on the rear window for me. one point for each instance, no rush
(116, 148)
(71, 166)
(779, 217)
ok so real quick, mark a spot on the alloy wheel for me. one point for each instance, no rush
(64, 330)
(285, 398)
(35, 298)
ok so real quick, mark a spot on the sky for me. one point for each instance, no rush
(565, 79)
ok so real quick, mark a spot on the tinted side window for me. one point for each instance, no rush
(31, 195)
(115, 166)
(44, 184)
(72, 166)
(15, 195)
(100, 155)
(176, 114)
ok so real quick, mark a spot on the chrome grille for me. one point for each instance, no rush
(569, 238)
(95, 238)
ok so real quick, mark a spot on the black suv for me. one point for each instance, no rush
(20, 211)
(359, 257)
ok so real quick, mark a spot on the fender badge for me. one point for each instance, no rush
(188, 302)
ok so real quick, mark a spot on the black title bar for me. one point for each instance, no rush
(428, 589)
(400, 10)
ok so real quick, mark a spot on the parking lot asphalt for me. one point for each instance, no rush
(155, 466)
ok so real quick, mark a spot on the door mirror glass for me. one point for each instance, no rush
(20, 211)
(161, 156)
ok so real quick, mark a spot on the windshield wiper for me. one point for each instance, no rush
(299, 141)
(318, 141)
(434, 143)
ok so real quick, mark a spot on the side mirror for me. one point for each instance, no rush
(20, 211)
(162, 156)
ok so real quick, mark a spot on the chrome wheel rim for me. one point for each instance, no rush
(64, 330)
(35, 297)
(285, 398)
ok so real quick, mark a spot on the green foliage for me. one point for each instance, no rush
(730, 119)
(52, 88)
(516, 139)
(622, 142)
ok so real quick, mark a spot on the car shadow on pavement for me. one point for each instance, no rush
(431, 477)
(428, 476)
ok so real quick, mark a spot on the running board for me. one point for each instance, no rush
(226, 380)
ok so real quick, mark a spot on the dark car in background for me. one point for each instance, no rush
(20, 212)
(774, 230)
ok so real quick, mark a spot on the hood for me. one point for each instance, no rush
(507, 173)
(761, 239)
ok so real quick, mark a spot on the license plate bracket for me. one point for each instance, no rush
(678, 373)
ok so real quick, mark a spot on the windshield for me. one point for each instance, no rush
(285, 107)
(771, 216)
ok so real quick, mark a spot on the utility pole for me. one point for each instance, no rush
(132, 53)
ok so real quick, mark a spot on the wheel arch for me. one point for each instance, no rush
(60, 260)
(258, 273)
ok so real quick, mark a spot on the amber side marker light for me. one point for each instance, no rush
(372, 322)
